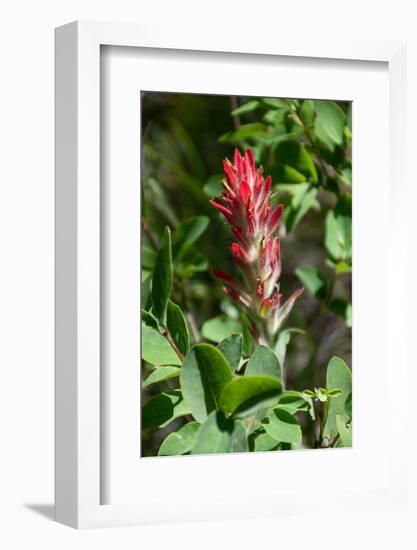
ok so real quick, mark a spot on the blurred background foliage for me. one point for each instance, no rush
(305, 145)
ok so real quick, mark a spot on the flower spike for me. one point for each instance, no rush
(247, 207)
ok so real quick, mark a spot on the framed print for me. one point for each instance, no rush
(220, 272)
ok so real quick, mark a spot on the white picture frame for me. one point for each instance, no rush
(78, 387)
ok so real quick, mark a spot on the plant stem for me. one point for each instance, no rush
(173, 344)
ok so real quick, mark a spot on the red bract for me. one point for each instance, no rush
(246, 205)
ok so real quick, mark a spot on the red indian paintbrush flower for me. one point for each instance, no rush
(246, 205)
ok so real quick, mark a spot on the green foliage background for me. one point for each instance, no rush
(306, 147)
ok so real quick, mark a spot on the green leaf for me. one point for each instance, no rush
(294, 155)
(162, 409)
(246, 108)
(204, 374)
(264, 442)
(263, 361)
(330, 123)
(156, 348)
(348, 406)
(307, 111)
(219, 328)
(148, 258)
(145, 291)
(231, 347)
(275, 103)
(177, 327)
(338, 376)
(282, 426)
(221, 435)
(190, 264)
(338, 230)
(187, 234)
(313, 280)
(180, 442)
(162, 277)
(295, 401)
(160, 374)
(149, 320)
(245, 131)
(244, 395)
(345, 432)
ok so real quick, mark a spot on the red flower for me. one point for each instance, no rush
(246, 205)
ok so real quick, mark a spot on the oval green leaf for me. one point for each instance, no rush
(221, 435)
(177, 327)
(263, 361)
(160, 374)
(338, 376)
(231, 347)
(244, 395)
(180, 442)
(204, 374)
(282, 426)
(156, 348)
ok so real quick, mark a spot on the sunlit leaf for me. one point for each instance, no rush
(156, 349)
(181, 441)
(160, 374)
(204, 374)
(221, 435)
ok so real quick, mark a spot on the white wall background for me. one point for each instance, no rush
(26, 269)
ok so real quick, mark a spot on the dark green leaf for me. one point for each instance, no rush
(338, 376)
(149, 319)
(263, 361)
(313, 280)
(219, 328)
(162, 277)
(221, 435)
(177, 327)
(204, 374)
(282, 426)
(231, 347)
(156, 348)
(145, 290)
(180, 442)
(244, 395)
(163, 409)
(294, 155)
(160, 374)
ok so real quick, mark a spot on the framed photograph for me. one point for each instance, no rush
(225, 296)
